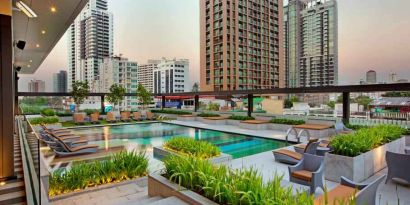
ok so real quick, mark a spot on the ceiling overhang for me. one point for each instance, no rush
(42, 33)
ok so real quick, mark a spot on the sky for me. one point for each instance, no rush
(373, 34)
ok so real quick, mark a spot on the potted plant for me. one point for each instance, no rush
(143, 96)
(80, 92)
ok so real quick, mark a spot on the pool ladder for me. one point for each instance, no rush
(298, 135)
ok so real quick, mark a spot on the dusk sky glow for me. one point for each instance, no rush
(373, 34)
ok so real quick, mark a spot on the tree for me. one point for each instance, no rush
(331, 104)
(116, 94)
(288, 103)
(294, 99)
(80, 92)
(143, 96)
(195, 87)
(364, 100)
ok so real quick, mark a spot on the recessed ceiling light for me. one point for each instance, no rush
(43, 32)
(38, 45)
(53, 9)
(28, 66)
(31, 61)
(25, 9)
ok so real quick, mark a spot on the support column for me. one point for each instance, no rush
(102, 104)
(7, 80)
(196, 103)
(163, 100)
(346, 107)
(250, 105)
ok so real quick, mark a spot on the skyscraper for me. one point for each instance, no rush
(60, 82)
(90, 40)
(145, 73)
(371, 77)
(36, 86)
(241, 44)
(171, 76)
(311, 50)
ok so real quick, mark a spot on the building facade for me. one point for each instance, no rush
(311, 49)
(121, 71)
(171, 76)
(60, 82)
(90, 40)
(371, 77)
(36, 86)
(145, 74)
(241, 44)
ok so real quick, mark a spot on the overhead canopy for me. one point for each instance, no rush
(42, 33)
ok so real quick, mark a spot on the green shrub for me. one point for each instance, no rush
(48, 112)
(43, 120)
(119, 167)
(356, 127)
(189, 146)
(242, 118)
(207, 114)
(226, 186)
(90, 111)
(172, 111)
(213, 106)
(287, 121)
(365, 139)
(64, 114)
(30, 110)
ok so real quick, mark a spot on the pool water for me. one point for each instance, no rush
(143, 137)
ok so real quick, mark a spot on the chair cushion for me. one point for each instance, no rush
(339, 194)
(303, 175)
(289, 153)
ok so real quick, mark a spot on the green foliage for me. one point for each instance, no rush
(294, 99)
(45, 120)
(119, 167)
(364, 100)
(80, 92)
(396, 94)
(192, 147)
(172, 111)
(90, 111)
(207, 114)
(116, 94)
(213, 106)
(241, 118)
(226, 186)
(143, 95)
(48, 112)
(288, 103)
(331, 104)
(365, 139)
(287, 121)
(195, 87)
(356, 127)
(30, 110)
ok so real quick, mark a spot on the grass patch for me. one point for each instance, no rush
(365, 139)
(191, 147)
(172, 111)
(119, 167)
(208, 114)
(241, 118)
(43, 120)
(226, 186)
(48, 112)
(287, 121)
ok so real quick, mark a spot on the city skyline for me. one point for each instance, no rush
(170, 33)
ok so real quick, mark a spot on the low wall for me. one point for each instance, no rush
(360, 167)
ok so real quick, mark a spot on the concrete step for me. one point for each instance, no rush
(169, 201)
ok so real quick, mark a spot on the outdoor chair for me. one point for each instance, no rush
(64, 150)
(111, 117)
(398, 166)
(364, 194)
(136, 116)
(300, 148)
(79, 119)
(292, 157)
(309, 172)
(95, 118)
(125, 116)
(340, 128)
(149, 115)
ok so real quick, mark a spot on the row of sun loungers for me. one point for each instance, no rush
(111, 118)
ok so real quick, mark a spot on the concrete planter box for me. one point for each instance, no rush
(253, 126)
(161, 186)
(280, 127)
(325, 133)
(233, 122)
(360, 167)
(160, 152)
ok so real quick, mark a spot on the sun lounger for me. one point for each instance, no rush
(59, 130)
(95, 118)
(64, 150)
(50, 141)
(292, 157)
(125, 116)
(111, 117)
(136, 116)
(150, 115)
(363, 193)
(65, 136)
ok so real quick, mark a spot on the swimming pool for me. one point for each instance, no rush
(143, 137)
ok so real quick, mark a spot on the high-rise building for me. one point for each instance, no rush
(90, 40)
(311, 49)
(371, 77)
(145, 74)
(392, 77)
(120, 71)
(36, 86)
(241, 44)
(171, 76)
(60, 82)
